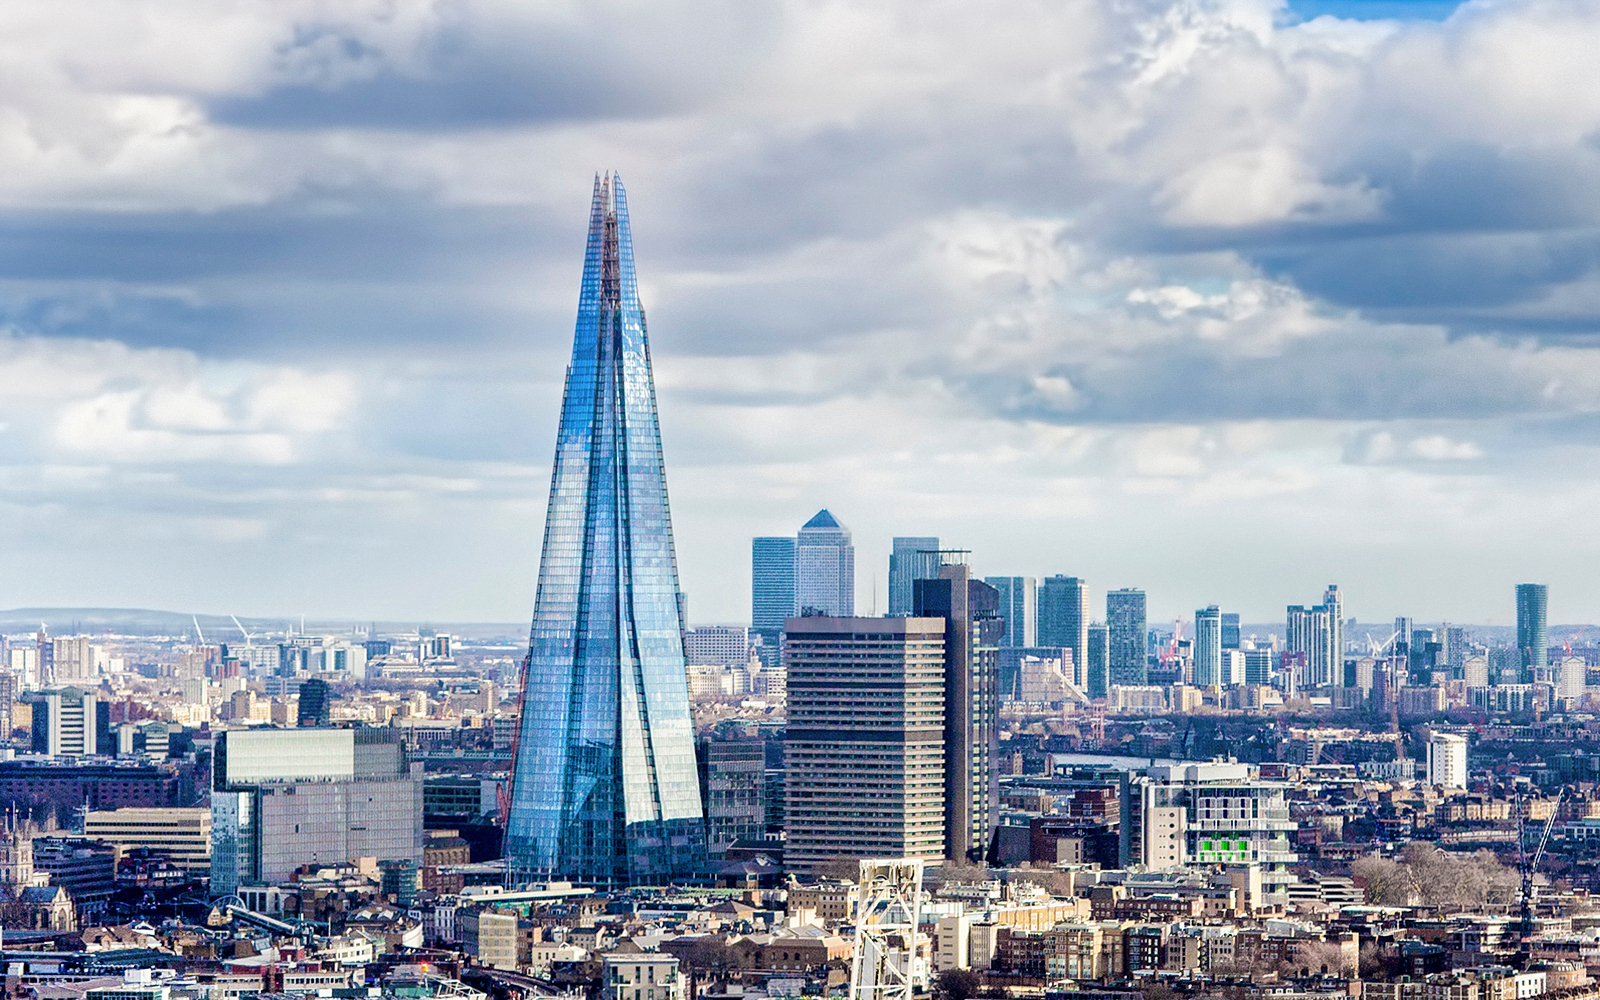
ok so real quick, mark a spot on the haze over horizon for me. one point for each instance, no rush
(1224, 299)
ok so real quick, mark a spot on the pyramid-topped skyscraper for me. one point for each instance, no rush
(604, 786)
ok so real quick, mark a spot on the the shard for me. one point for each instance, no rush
(604, 788)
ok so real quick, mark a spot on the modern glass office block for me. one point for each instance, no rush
(605, 790)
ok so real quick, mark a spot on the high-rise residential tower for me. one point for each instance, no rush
(604, 785)
(1064, 617)
(1333, 601)
(1127, 661)
(1208, 647)
(1533, 628)
(825, 568)
(1316, 634)
(1019, 605)
(911, 559)
(772, 600)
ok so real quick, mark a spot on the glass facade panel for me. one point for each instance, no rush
(605, 789)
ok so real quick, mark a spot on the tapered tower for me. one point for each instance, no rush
(604, 786)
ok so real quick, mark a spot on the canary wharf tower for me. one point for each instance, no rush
(604, 787)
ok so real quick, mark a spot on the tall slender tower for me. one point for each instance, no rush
(604, 785)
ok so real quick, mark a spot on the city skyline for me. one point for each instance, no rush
(294, 305)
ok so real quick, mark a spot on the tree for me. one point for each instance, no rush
(957, 984)
(1158, 990)
(1388, 883)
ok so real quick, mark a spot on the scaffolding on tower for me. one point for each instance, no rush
(888, 908)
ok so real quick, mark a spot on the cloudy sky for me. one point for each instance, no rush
(1226, 299)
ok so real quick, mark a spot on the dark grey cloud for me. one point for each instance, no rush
(484, 67)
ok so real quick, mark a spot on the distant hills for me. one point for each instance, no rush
(220, 628)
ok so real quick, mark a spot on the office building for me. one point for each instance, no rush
(1126, 660)
(282, 798)
(1230, 630)
(1064, 616)
(1447, 760)
(183, 836)
(1310, 634)
(1214, 813)
(864, 753)
(825, 568)
(1096, 667)
(604, 786)
(910, 559)
(1533, 630)
(314, 703)
(1258, 666)
(1019, 605)
(971, 612)
(64, 722)
(718, 645)
(733, 785)
(1208, 647)
(772, 593)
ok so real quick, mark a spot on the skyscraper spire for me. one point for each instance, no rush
(604, 786)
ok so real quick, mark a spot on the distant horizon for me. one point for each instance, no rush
(227, 632)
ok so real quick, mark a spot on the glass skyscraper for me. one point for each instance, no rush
(1019, 603)
(605, 790)
(825, 567)
(772, 592)
(910, 559)
(1064, 617)
(1533, 629)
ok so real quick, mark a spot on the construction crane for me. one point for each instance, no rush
(888, 910)
(1529, 892)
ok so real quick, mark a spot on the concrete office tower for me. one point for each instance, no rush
(1533, 631)
(1333, 602)
(971, 613)
(910, 559)
(1019, 605)
(733, 784)
(1064, 617)
(282, 798)
(1447, 760)
(604, 785)
(825, 568)
(864, 753)
(718, 645)
(772, 600)
(1230, 630)
(1127, 661)
(1310, 633)
(1096, 667)
(65, 722)
(1208, 647)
